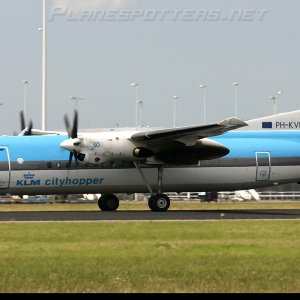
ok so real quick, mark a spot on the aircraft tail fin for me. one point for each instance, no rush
(282, 121)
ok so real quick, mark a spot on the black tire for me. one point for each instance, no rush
(151, 202)
(159, 203)
(108, 202)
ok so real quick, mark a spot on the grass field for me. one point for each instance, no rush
(155, 257)
(142, 205)
(119, 257)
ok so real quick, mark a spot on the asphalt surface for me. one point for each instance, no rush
(245, 214)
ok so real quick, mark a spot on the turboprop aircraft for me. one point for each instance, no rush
(227, 155)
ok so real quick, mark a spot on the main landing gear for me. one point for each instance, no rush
(158, 202)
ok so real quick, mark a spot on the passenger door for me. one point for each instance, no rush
(263, 166)
(4, 168)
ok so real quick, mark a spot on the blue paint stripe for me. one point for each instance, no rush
(245, 144)
(35, 148)
(242, 144)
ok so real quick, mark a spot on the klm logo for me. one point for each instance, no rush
(28, 180)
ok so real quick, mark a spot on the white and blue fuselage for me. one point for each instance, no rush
(39, 165)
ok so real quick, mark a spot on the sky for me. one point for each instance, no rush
(97, 48)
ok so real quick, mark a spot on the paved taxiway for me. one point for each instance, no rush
(149, 215)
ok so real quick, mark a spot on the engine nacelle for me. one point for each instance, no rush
(141, 152)
(109, 147)
(117, 146)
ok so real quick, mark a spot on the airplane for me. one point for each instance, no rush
(228, 155)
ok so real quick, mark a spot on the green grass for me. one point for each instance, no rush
(104, 257)
(142, 205)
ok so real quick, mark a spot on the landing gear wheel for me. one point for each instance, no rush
(159, 202)
(108, 202)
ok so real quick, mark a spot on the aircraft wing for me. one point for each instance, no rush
(189, 134)
(183, 145)
(177, 146)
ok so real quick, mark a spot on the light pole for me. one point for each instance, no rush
(274, 99)
(203, 86)
(76, 99)
(235, 84)
(25, 83)
(140, 102)
(44, 66)
(134, 84)
(175, 98)
(279, 93)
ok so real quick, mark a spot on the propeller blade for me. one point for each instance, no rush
(70, 158)
(67, 122)
(76, 157)
(30, 127)
(23, 125)
(22, 120)
(75, 125)
(72, 133)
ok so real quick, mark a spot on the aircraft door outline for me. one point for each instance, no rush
(4, 168)
(263, 166)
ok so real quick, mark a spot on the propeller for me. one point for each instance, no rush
(23, 125)
(73, 142)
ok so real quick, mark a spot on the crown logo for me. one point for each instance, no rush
(28, 175)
